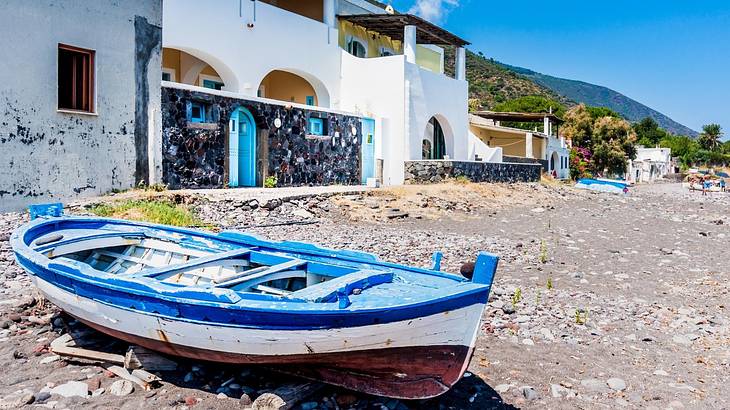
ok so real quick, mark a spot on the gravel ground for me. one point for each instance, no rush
(599, 301)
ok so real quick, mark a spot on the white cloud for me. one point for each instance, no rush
(434, 11)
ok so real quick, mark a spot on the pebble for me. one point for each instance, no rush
(594, 385)
(616, 384)
(50, 359)
(502, 388)
(121, 388)
(71, 389)
(529, 393)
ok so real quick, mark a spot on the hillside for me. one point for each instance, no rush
(600, 96)
(492, 82)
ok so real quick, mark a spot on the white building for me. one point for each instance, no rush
(509, 144)
(79, 97)
(341, 55)
(650, 164)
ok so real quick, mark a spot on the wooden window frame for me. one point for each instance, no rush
(89, 92)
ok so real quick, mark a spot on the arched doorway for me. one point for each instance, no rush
(554, 161)
(241, 149)
(435, 136)
(286, 86)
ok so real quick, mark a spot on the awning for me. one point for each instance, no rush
(392, 25)
(519, 116)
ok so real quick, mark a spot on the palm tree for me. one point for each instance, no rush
(710, 137)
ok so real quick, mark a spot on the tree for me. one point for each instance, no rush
(613, 143)
(648, 132)
(683, 147)
(578, 126)
(710, 137)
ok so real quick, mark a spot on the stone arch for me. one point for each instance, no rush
(298, 77)
(190, 76)
(439, 133)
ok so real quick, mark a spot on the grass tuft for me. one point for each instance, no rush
(155, 211)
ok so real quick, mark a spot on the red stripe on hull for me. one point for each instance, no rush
(416, 372)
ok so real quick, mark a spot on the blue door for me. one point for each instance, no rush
(242, 149)
(368, 149)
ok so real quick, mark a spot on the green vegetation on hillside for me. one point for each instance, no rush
(490, 83)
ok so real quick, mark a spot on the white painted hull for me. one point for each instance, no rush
(458, 327)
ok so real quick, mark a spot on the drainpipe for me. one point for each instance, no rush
(409, 43)
(329, 10)
(528, 145)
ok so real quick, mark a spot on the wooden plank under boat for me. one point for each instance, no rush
(342, 317)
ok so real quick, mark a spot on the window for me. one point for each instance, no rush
(75, 78)
(197, 112)
(168, 74)
(310, 100)
(385, 51)
(212, 84)
(357, 48)
(316, 126)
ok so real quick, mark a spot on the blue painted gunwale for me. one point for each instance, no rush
(228, 308)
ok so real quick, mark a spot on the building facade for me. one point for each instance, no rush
(650, 165)
(541, 145)
(81, 101)
(331, 58)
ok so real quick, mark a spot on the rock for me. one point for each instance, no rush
(616, 384)
(529, 393)
(595, 385)
(268, 401)
(222, 395)
(71, 389)
(558, 391)
(121, 388)
(50, 359)
(508, 308)
(502, 388)
(681, 340)
(538, 210)
(302, 213)
(42, 396)
(660, 372)
(17, 400)
(15, 317)
(25, 302)
(94, 383)
(98, 392)
(245, 400)
(191, 401)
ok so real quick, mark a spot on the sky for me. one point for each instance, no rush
(671, 55)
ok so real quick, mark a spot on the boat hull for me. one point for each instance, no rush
(413, 359)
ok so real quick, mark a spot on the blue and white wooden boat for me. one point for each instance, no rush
(343, 317)
(603, 185)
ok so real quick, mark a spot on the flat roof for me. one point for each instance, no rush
(519, 116)
(392, 25)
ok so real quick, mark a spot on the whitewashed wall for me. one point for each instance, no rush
(47, 155)
(245, 40)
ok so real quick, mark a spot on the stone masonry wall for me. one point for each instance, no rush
(195, 155)
(433, 171)
(522, 160)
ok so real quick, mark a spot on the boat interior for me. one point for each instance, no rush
(201, 263)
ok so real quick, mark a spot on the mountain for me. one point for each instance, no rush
(600, 96)
(492, 82)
